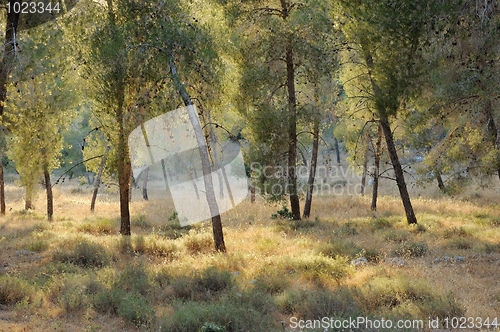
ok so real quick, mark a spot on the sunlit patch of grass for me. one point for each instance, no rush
(99, 226)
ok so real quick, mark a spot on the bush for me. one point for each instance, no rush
(271, 281)
(135, 308)
(154, 245)
(347, 229)
(201, 285)
(229, 314)
(14, 290)
(380, 223)
(140, 221)
(173, 229)
(284, 213)
(198, 243)
(99, 226)
(316, 304)
(85, 254)
(338, 247)
(413, 249)
(317, 267)
(460, 232)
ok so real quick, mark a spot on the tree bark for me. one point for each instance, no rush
(376, 171)
(398, 171)
(145, 184)
(440, 181)
(98, 179)
(312, 171)
(218, 234)
(48, 189)
(5, 70)
(337, 152)
(2, 186)
(365, 166)
(493, 131)
(292, 130)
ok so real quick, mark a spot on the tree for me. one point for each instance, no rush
(275, 41)
(388, 40)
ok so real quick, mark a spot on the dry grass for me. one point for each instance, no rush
(284, 261)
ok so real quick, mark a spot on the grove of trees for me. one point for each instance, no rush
(386, 78)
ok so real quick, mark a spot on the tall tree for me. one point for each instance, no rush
(388, 39)
(276, 39)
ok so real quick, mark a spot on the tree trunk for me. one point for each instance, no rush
(493, 131)
(365, 166)
(292, 132)
(376, 171)
(5, 70)
(145, 184)
(398, 171)
(218, 234)
(312, 171)
(440, 181)
(2, 186)
(123, 173)
(48, 189)
(337, 152)
(98, 179)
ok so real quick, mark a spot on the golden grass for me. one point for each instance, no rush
(255, 244)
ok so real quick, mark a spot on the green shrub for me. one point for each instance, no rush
(284, 213)
(271, 281)
(371, 254)
(380, 223)
(317, 267)
(173, 229)
(338, 247)
(414, 249)
(461, 232)
(200, 285)
(135, 279)
(316, 304)
(14, 290)
(295, 225)
(140, 221)
(84, 253)
(347, 229)
(231, 315)
(135, 308)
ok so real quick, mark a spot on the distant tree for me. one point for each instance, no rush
(388, 39)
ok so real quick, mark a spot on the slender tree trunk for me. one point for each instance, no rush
(2, 185)
(398, 171)
(48, 189)
(292, 132)
(376, 164)
(124, 171)
(98, 179)
(5, 70)
(28, 201)
(365, 166)
(493, 131)
(220, 246)
(440, 181)
(312, 171)
(145, 184)
(337, 152)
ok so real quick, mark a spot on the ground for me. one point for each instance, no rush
(77, 273)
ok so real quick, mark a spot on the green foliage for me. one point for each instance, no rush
(14, 290)
(338, 247)
(284, 213)
(83, 253)
(413, 249)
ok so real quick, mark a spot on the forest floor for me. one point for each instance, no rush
(77, 273)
